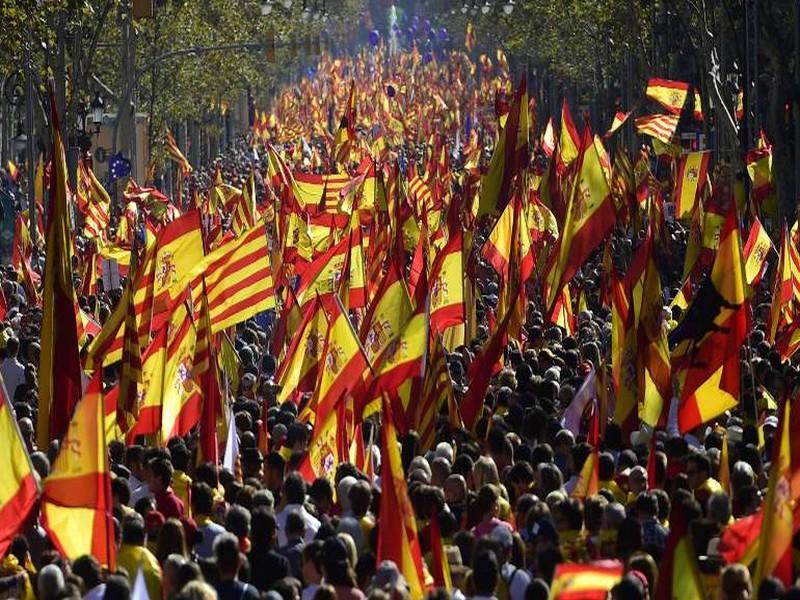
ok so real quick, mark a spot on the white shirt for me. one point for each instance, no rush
(13, 373)
(516, 579)
(312, 523)
(96, 593)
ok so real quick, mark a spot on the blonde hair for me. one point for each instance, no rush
(350, 543)
(198, 590)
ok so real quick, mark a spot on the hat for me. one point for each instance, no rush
(388, 574)
(771, 421)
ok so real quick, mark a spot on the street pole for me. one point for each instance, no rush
(29, 100)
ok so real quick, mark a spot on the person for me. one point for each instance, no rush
(88, 569)
(167, 502)
(293, 497)
(337, 570)
(293, 549)
(485, 572)
(654, 534)
(698, 473)
(735, 583)
(228, 561)
(170, 579)
(514, 577)
(266, 564)
(312, 568)
(133, 553)
(50, 583)
(202, 508)
(11, 369)
(171, 541)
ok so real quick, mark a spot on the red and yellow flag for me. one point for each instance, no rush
(674, 96)
(470, 39)
(690, 182)
(176, 155)
(509, 159)
(584, 582)
(59, 364)
(679, 575)
(447, 284)
(756, 250)
(397, 538)
(298, 371)
(19, 489)
(588, 482)
(76, 500)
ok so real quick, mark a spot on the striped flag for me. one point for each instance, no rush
(690, 182)
(584, 582)
(176, 155)
(660, 127)
(18, 487)
(94, 201)
(619, 120)
(76, 500)
(243, 207)
(437, 390)
(238, 279)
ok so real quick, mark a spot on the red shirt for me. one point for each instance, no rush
(168, 504)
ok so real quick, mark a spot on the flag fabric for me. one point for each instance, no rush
(707, 340)
(59, 363)
(619, 120)
(778, 527)
(690, 182)
(679, 575)
(439, 566)
(509, 158)
(19, 489)
(470, 39)
(675, 96)
(756, 251)
(231, 457)
(76, 506)
(13, 171)
(390, 309)
(397, 537)
(758, 162)
(569, 141)
(447, 284)
(575, 581)
(243, 207)
(176, 155)
(590, 216)
(96, 205)
(589, 476)
(238, 279)
(346, 134)
(437, 390)
(131, 371)
(659, 127)
(297, 372)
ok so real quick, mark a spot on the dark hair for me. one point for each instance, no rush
(263, 526)
(207, 473)
(117, 588)
(295, 525)
(485, 571)
(226, 553)
(162, 469)
(122, 489)
(700, 461)
(133, 531)
(294, 488)
(202, 498)
(88, 569)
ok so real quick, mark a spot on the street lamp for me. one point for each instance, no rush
(97, 107)
(306, 11)
(287, 4)
(464, 8)
(508, 7)
(474, 9)
(487, 6)
(266, 7)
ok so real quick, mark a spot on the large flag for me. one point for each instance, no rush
(679, 575)
(690, 182)
(238, 279)
(390, 309)
(76, 500)
(447, 284)
(707, 340)
(675, 96)
(59, 363)
(778, 526)
(509, 158)
(19, 489)
(590, 216)
(569, 140)
(297, 372)
(397, 538)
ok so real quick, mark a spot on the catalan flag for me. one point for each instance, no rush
(243, 207)
(690, 182)
(131, 372)
(96, 203)
(19, 489)
(76, 507)
(675, 96)
(660, 127)
(238, 279)
(397, 538)
(176, 155)
(509, 159)
(59, 364)
(346, 134)
(437, 390)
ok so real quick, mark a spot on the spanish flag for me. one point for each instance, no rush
(76, 501)
(322, 276)
(18, 485)
(447, 284)
(590, 216)
(756, 251)
(569, 141)
(619, 120)
(59, 365)
(759, 168)
(397, 537)
(675, 96)
(589, 477)
(509, 159)
(440, 566)
(297, 373)
(624, 357)
(707, 340)
(584, 582)
(385, 317)
(679, 575)
(778, 527)
(690, 182)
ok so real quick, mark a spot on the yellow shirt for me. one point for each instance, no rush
(612, 487)
(130, 557)
(182, 485)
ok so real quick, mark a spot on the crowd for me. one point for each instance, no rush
(501, 497)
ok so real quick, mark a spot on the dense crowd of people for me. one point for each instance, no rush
(501, 495)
